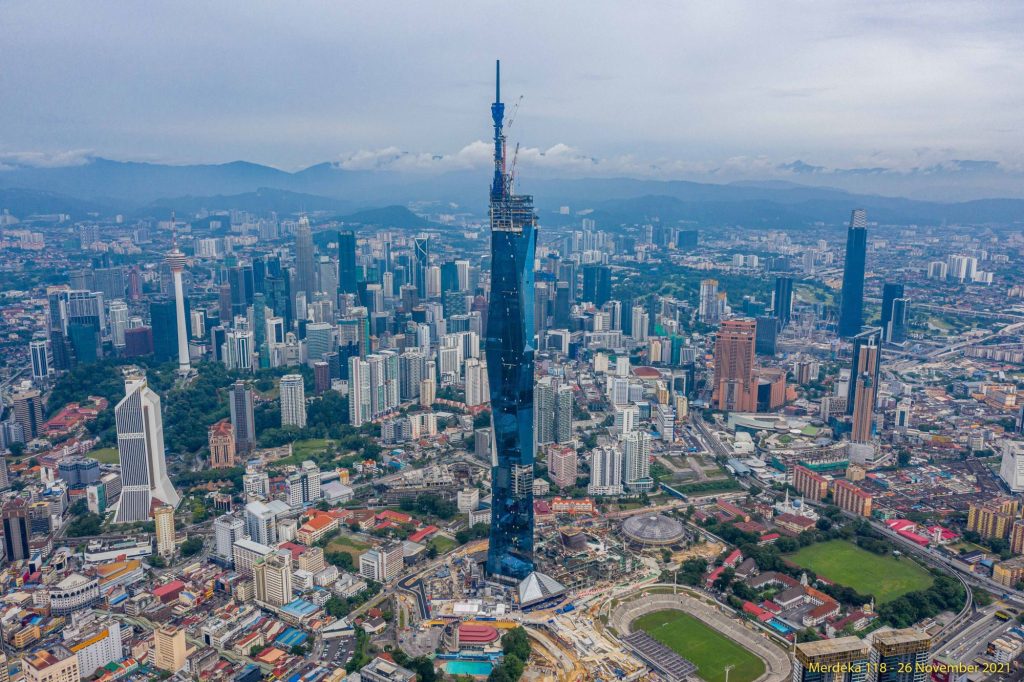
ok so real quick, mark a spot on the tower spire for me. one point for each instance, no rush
(497, 116)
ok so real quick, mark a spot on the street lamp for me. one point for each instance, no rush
(727, 669)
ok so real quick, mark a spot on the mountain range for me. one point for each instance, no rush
(150, 190)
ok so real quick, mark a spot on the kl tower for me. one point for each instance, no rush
(176, 261)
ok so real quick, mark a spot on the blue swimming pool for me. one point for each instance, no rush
(475, 668)
(779, 626)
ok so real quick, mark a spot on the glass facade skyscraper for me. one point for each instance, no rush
(509, 349)
(851, 310)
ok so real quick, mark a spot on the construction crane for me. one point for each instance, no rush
(515, 154)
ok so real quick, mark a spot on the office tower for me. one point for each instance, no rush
(227, 530)
(851, 311)
(849, 655)
(890, 292)
(140, 445)
(767, 335)
(509, 349)
(176, 262)
(28, 412)
(242, 418)
(636, 474)
(56, 665)
(707, 310)
(783, 300)
(293, 401)
(421, 254)
(639, 322)
(563, 465)
(347, 274)
(261, 520)
(138, 341)
(169, 648)
(735, 388)
(319, 340)
(605, 471)
(305, 275)
(896, 332)
(867, 358)
(900, 655)
(311, 491)
(359, 406)
(163, 319)
(597, 284)
(903, 409)
(163, 518)
(272, 576)
(39, 353)
(221, 439)
(686, 240)
(16, 530)
(118, 322)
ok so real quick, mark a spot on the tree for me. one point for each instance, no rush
(85, 525)
(17, 449)
(191, 546)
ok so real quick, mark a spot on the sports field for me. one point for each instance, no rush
(709, 650)
(842, 562)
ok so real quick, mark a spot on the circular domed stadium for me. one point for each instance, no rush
(653, 530)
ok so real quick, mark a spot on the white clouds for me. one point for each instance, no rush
(76, 157)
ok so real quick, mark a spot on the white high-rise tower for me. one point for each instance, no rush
(140, 446)
(176, 261)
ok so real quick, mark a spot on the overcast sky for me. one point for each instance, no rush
(644, 88)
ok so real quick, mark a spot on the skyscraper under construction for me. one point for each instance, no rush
(509, 348)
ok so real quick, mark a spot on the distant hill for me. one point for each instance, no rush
(142, 189)
(263, 200)
(390, 216)
(25, 202)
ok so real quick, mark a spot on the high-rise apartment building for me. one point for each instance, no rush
(140, 445)
(28, 412)
(848, 656)
(992, 518)
(163, 518)
(636, 472)
(605, 471)
(900, 655)
(227, 530)
(811, 485)
(851, 310)
(735, 386)
(850, 498)
(510, 347)
(867, 359)
(707, 310)
(563, 467)
(293, 401)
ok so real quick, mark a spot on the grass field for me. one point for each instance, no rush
(705, 647)
(104, 455)
(842, 562)
(442, 543)
(352, 547)
(305, 448)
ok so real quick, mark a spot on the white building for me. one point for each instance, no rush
(605, 471)
(637, 462)
(227, 530)
(140, 446)
(1011, 470)
(293, 401)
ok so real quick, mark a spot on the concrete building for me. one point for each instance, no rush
(293, 401)
(221, 438)
(57, 665)
(563, 466)
(164, 521)
(169, 648)
(227, 530)
(140, 445)
(735, 388)
(272, 576)
(900, 655)
(850, 498)
(845, 654)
